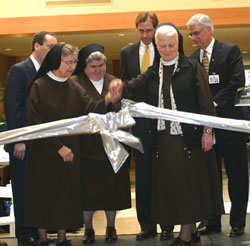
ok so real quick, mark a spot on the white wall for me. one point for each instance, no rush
(24, 8)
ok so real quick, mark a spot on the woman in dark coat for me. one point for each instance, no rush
(53, 179)
(186, 186)
(102, 189)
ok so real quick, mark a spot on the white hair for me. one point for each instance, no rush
(202, 19)
(165, 30)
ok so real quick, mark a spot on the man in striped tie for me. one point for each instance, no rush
(223, 63)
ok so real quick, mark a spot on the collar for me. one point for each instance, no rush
(150, 46)
(54, 77)
(209, 48)
(35, 62)
(169, 63)
(97, 82)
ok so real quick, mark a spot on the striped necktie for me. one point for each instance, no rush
(145, 60)
(205, 61)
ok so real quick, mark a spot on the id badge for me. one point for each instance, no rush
(214, 79)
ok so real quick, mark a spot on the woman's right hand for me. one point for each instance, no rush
(66, 153)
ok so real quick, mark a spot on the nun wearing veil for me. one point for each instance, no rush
(185, 178)
(53, 174)
(102, 189)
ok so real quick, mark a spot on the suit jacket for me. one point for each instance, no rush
(19, 78)
(226, 61)
(130, 61)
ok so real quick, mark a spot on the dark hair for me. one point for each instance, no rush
(147, 16)
(40, 38)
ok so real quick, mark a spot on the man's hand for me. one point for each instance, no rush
(66, 153)
(19, 151)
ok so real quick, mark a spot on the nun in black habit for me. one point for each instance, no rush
(53, 173)
(102, 189)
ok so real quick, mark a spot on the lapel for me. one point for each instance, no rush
(216, 53)
(31, 70)
(136, 58)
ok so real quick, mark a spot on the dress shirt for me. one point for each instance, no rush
(209, 50)
(35, 62)
(151, 51)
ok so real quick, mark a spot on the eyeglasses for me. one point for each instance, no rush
(195, 33)
(70, 63)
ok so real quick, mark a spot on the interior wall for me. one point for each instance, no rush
(24, 8)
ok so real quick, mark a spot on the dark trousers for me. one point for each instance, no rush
(143, 175)
(17, 174)
(234, 153)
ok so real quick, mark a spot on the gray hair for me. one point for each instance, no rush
(96, 56)
(165, 30)
(202, 19)
(68, 50)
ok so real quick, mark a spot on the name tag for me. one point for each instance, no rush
(214, 79)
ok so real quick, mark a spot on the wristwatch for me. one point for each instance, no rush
(208, 130)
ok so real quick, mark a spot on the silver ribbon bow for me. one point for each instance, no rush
(107, 125)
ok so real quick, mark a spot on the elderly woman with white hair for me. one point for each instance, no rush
(185, 178)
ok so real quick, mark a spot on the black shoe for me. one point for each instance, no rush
(236, 231)
(209, 230)
(51, 240)
(43, 244)
(179, 242)
(28, 242)
(111, 235)
(196, 237)
(89, 236)
(146, 234)
(166, 235)
(64, 243)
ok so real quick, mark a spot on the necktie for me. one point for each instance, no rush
(205, 61)
(145, 60)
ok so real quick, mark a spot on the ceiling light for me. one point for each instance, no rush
(8, 49)
(121, 34)
(245, 52)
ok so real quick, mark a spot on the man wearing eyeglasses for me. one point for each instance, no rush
(18, 82)
(223, 63)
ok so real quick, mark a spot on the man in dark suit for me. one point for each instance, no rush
(18, 81)
(223, 62)
(131, 58)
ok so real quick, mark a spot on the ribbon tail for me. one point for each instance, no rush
(115, 151)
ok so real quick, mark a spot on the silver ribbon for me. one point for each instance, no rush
(148, 111)
(107, 125)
